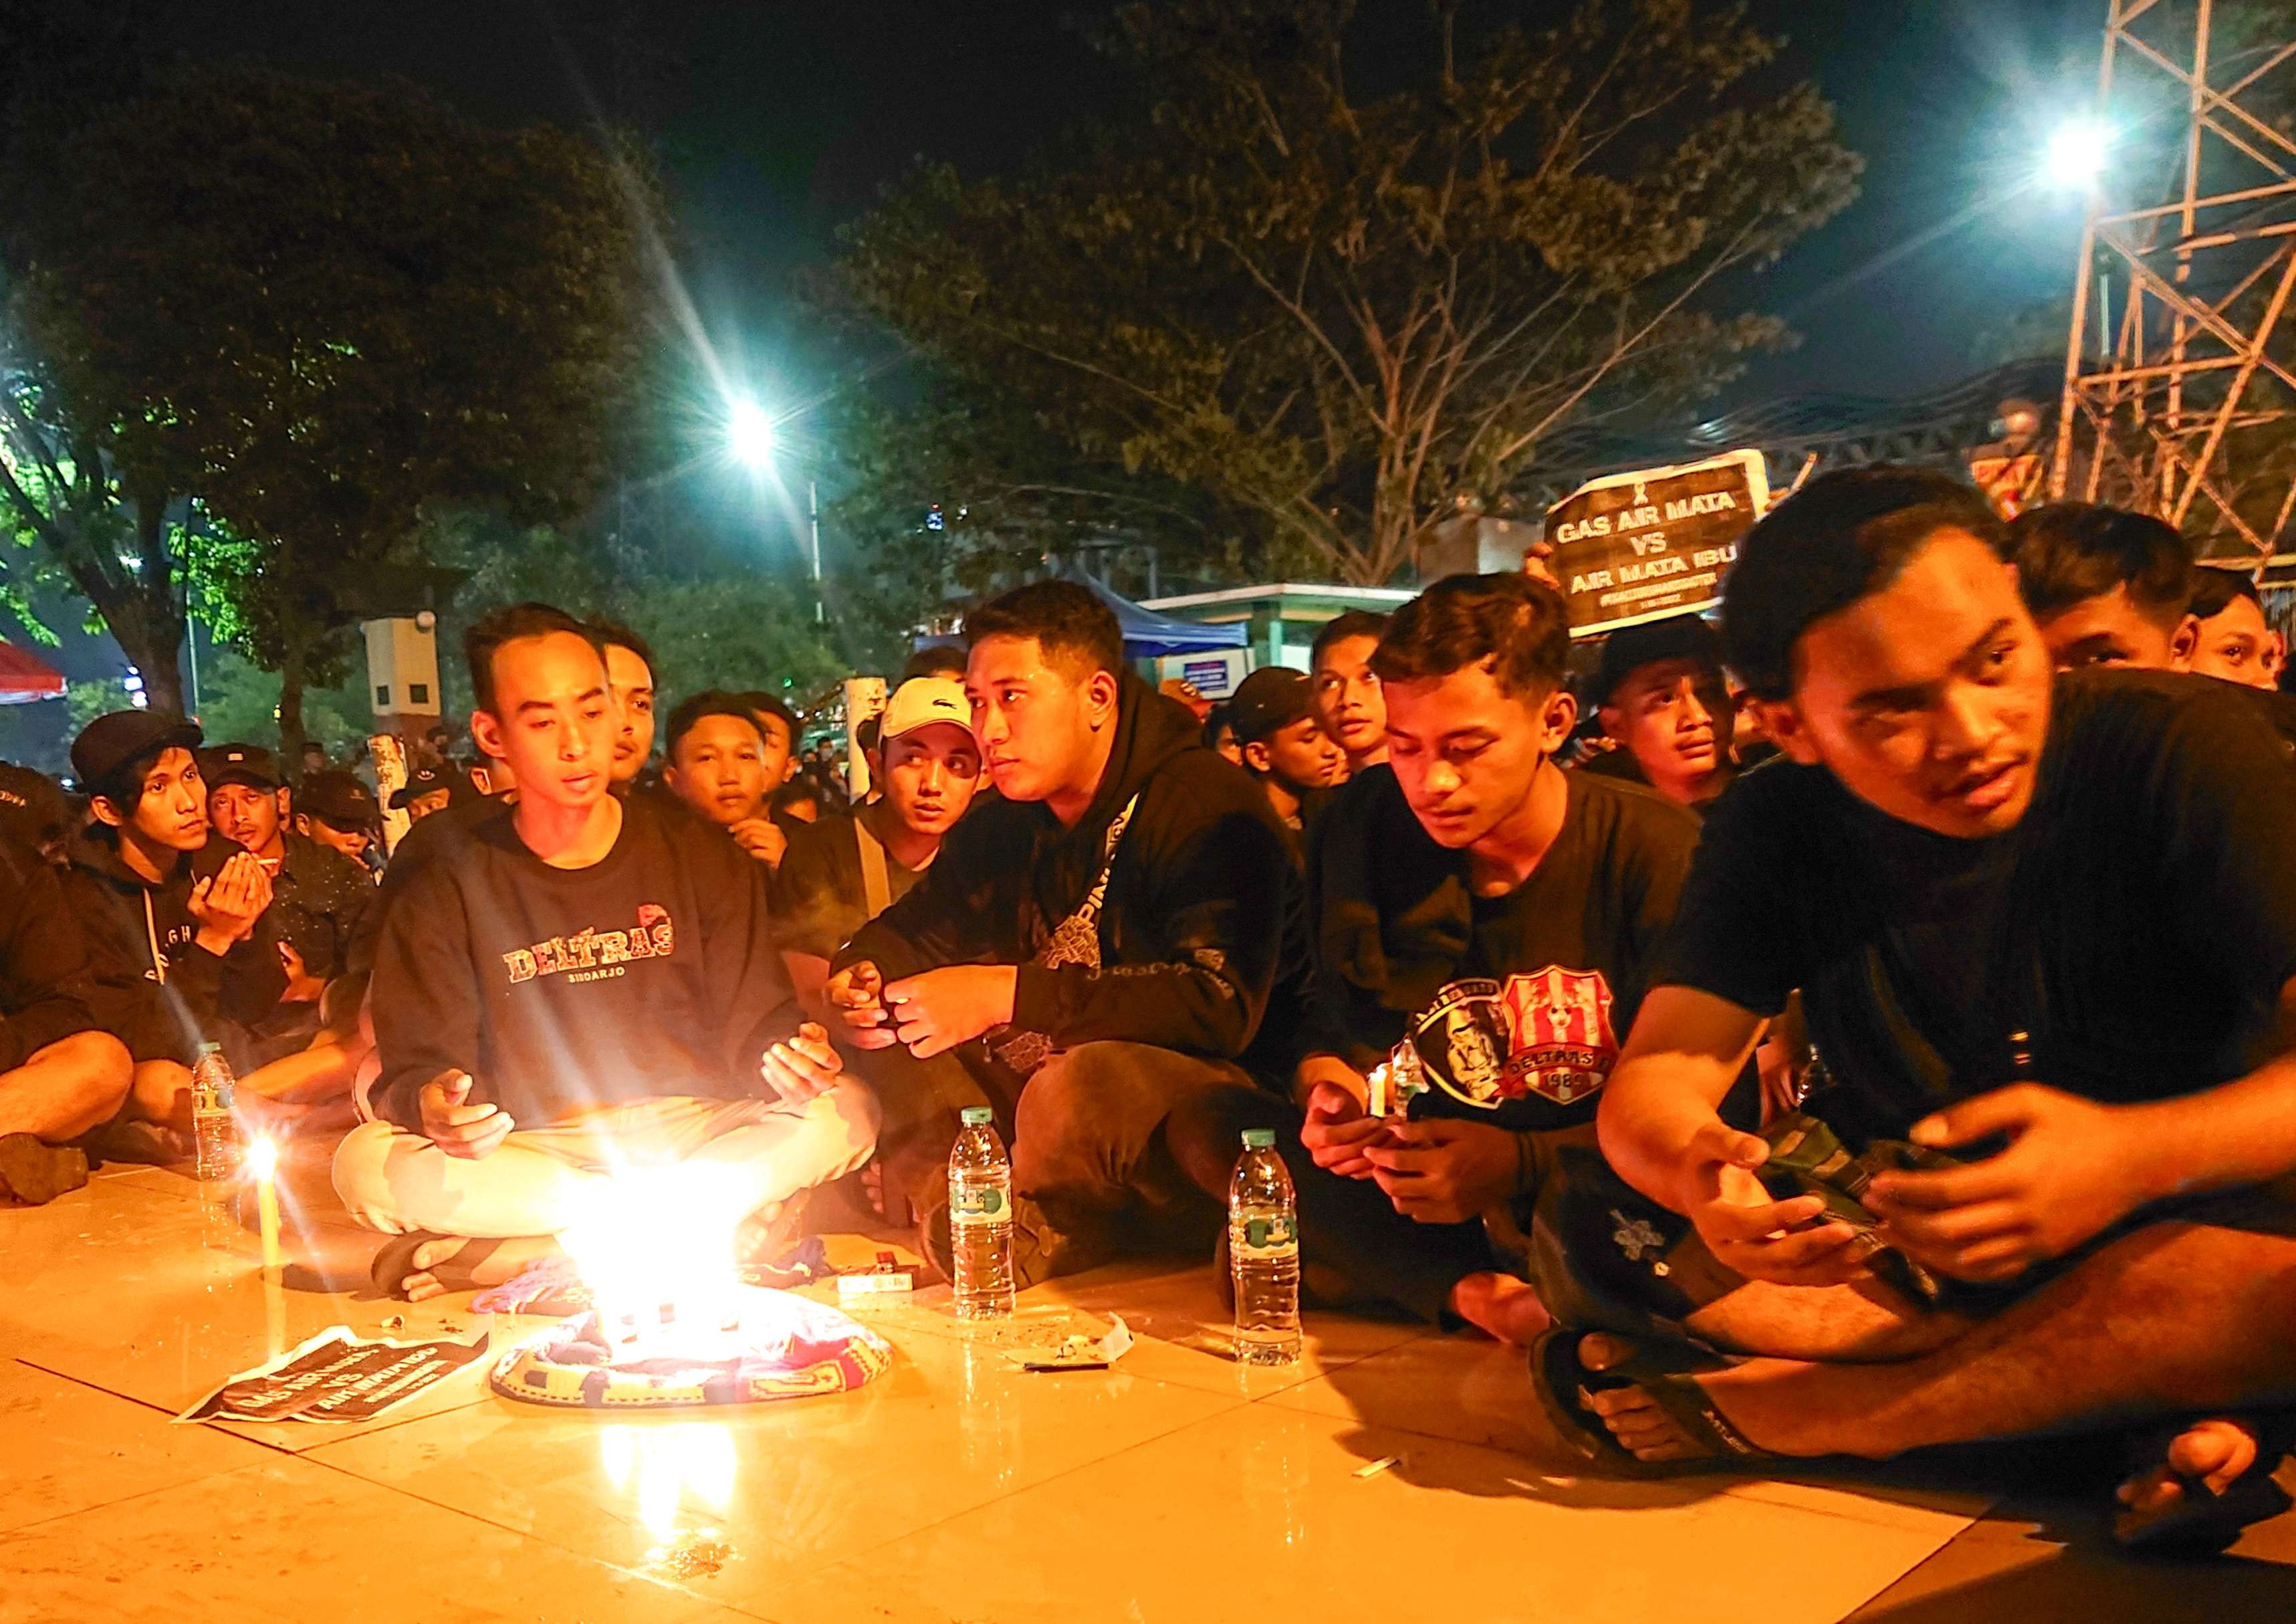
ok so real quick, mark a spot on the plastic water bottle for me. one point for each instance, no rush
(214, 1133)
(980, 1219)
(1263, 1250)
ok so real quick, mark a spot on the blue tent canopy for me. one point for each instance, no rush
(1148, 636)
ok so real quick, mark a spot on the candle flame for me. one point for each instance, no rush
(262, 1157)
(656, 1247)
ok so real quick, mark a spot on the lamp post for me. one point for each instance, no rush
(750, 437)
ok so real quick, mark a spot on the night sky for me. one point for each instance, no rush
(780, 119)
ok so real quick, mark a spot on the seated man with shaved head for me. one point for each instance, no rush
(574, 982)
(2044, 930)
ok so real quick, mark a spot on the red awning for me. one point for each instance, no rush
(23, 679)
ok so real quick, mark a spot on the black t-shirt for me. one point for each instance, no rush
(818, 896)
(2138, 923)
(650, 974)
(1528, 1023)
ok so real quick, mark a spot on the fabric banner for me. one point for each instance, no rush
(1630, 548)
(336, 1376)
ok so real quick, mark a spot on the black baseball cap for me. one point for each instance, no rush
(429, 780)
(1273, 697)
(248, 763)
(112, 741)
(32, 805)
(1633, 647)
(338, 799)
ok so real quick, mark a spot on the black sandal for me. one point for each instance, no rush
(395, 1261)
(1665, 1371)
(34, 1172)
(2200, 1522)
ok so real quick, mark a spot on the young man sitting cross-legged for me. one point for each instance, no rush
(1498, 915)
(1101, 942)
(575, 982)
(2047, 931)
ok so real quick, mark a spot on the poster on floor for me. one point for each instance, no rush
(1631, 547)
(337, 1376)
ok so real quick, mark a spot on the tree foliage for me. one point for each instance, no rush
(1352, 313)
(318, 309)
(947, 491)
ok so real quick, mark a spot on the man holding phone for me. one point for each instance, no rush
(1494, 915)
(2047, 931)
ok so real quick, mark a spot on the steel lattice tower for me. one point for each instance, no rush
(2181, 401)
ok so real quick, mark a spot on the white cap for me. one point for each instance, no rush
(922, 701)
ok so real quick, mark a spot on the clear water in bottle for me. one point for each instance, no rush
(980, 1219)
(214, 1133)
(1263, 1249)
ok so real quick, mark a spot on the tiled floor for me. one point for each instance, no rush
(1394, 1476)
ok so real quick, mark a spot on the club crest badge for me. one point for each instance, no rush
(1547, 1034)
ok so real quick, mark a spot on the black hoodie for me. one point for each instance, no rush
(157, 989)
(45, 997)
(1194, 949)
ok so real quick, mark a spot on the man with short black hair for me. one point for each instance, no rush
(337, 810)
(1347, 689)
(719, 764)
(1102, 941)
(2105, 586)
(629, 666)
(778, 723)
(1664, 701)
(1491, 917)
(318, 895)
(1219, 733)
(936, 659)
(2045, 938)
(1285, 749)
(845, 870)
(574, 982)
(174, 914)
(2232, 640)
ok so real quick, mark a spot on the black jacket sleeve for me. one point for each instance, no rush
(1211, 882)
(44, 971)
(949, 917)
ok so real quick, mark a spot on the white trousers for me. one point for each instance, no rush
(537, 1179)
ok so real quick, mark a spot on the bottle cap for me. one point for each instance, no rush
(976, 1116)
(210, 1048)
(1259, 1138)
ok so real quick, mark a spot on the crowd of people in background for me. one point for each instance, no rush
(1867, 1026)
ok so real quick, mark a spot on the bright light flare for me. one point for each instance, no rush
(668, 1463)
(656, 1247)
(749, 434)
(2077, 153)
(261, 1158)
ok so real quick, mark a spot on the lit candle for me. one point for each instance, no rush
(263, 1161)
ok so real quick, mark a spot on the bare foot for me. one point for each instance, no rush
(494, 1269)
(1501, 1307)
(1642, 1426)
(2216, 1451)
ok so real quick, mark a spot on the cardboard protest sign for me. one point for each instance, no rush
(336, 1376)
(1630, 548)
